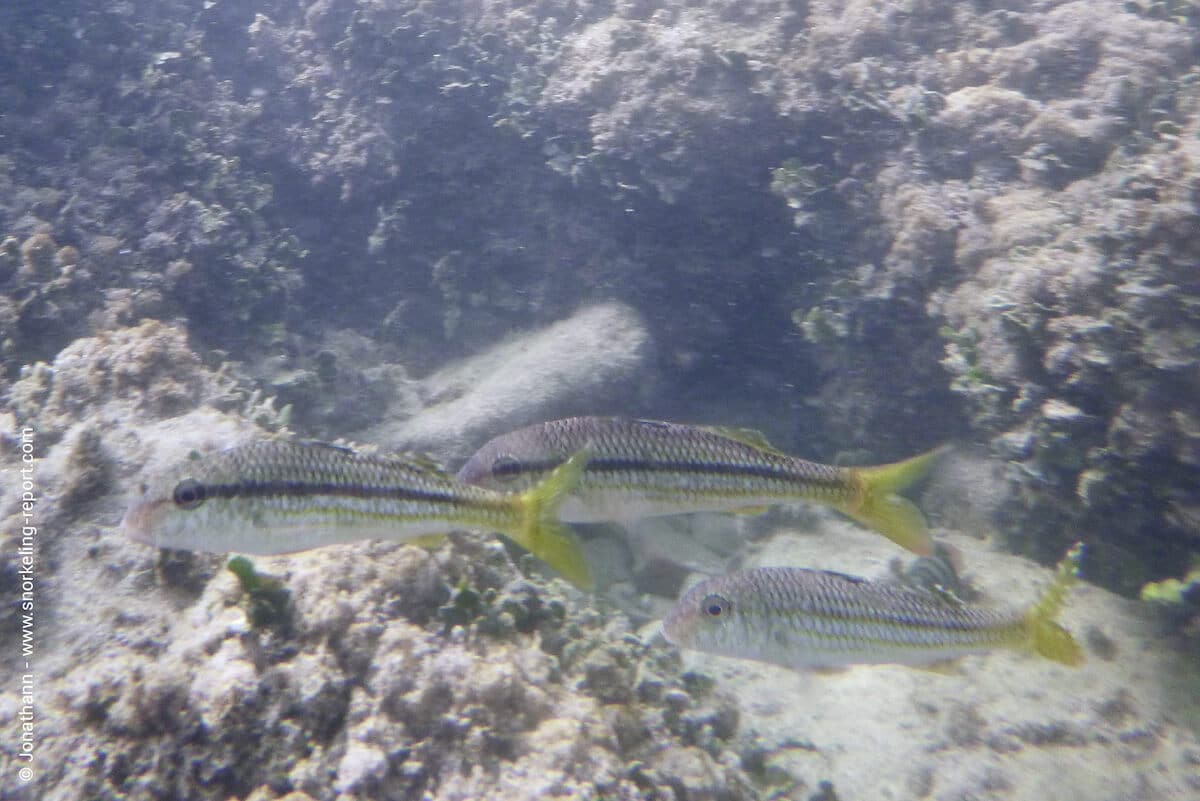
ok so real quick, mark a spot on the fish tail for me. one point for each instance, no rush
(879, 507)
(1046, 636)
(543, 534)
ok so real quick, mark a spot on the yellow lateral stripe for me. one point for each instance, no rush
(331, 511)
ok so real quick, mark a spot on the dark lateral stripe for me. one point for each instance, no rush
(821, 474)
(305, 489)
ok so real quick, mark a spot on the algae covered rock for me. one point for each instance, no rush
(1078, 365)
(871, 225)
(150, 366)
(367, 695)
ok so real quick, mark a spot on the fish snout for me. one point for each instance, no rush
(141, 521)
(677, 626)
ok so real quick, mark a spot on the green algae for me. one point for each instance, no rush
(1175, 591)
(267, 601)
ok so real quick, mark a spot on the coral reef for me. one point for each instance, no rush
(331, 386)
(45, 290)
(1074, 340)
(861, 226)
(150, 366)
(400, 673)
(369, 671)
(126, 155)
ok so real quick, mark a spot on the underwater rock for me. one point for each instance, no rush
(37, 256)
(330, 386)
(10, 258)
(1021, 176)
(965, 492)
(585, 362)
(988, 121)
(89, 470)
(368, 696)
(1069, 335)
(150, 368)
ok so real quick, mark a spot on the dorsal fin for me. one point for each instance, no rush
(418, 460)
(843, 576)
(422, 460)
(319, 443)
(747, 436)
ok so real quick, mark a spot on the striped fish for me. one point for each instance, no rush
(938, 573)
(820, 619)
(646, 468)
(276, 497)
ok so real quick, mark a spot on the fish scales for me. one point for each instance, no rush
(326, 486)
(327, 478)
(837, 619)
(275, 497)
(690, 457)
(647, 468)
(811, 618)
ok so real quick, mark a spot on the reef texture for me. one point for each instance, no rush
(1080, 345)
(845, 215)
(862, 226)
(371, 671)
(384, 671)
(387, 673)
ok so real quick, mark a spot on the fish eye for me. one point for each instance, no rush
(715, 606)
(506, 468)
(188, 494)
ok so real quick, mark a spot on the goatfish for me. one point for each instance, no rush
(276, 497)
(804, 618)
(938, 573)
(647, 468)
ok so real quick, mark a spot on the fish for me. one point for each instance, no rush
(818, 619)
(277, 496)
(937, 573)
(647, 468)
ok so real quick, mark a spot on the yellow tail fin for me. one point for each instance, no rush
(880, 508)
(1046, 636)
(543, 534)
